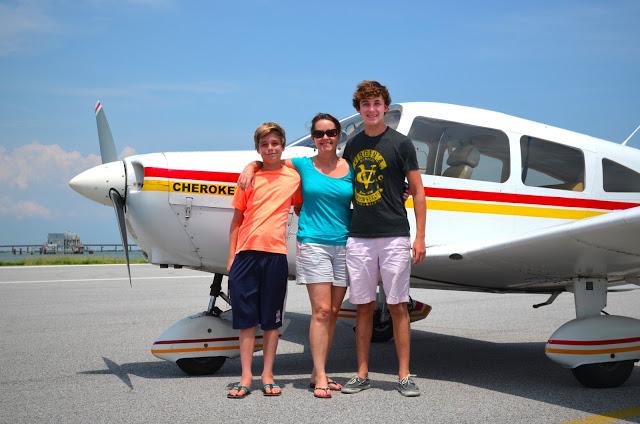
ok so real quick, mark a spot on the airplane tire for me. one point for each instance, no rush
(603, 375)
(201, 366)
(382, 330)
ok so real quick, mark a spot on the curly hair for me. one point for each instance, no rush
(367, 89)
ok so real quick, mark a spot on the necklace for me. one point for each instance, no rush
(326, 166)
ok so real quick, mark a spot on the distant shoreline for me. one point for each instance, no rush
(70, 260)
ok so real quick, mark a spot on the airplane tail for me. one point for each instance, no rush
(107, 146)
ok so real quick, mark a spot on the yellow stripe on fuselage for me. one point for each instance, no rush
(155, 185)
(432, 204)
(189, 187)
(510, 209)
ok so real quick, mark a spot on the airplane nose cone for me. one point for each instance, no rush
(96, 182)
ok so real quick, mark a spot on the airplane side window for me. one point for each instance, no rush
(619, 178)
(455, 150)
(551, 165)
(425, 139)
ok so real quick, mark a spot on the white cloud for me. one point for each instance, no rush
(20, 21)
(41, 165)
(127, 151)
(20, 209)
(45, 165)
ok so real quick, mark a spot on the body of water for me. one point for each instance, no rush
(8, 256)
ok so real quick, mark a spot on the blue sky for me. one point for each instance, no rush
(200, 75)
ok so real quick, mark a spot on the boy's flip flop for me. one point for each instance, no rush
(241, 392)
(270, 387)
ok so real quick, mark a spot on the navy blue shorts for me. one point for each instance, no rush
(258, 288)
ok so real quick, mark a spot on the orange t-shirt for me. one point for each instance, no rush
(266, 209)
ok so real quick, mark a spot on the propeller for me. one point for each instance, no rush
(108, 154)
(119, 207)
(107, 183)
(107, 146)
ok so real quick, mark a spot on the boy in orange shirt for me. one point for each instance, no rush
(257, 262)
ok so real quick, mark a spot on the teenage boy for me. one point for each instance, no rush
(379, 243)
(257, 262)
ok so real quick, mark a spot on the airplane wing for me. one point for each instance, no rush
(605, 246)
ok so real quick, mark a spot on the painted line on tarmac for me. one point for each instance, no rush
(607, 417)
(85, 280)
(67, 265)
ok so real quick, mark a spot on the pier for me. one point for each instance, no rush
(89, 248)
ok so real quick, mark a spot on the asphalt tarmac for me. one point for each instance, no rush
(75, 348)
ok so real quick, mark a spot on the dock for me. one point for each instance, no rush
(89, 248)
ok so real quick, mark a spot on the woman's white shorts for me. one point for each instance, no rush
(321, 263)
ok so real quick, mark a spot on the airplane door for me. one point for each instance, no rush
(201, 202)
(466, 169)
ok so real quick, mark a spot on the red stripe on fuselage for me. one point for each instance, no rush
(594, 342)
(527, 199)
(181, 174)
(446, 193)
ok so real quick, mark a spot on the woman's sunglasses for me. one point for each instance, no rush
(330, 133)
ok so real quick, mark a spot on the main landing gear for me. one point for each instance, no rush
(599, 349)
(207, 365)
(382, 323)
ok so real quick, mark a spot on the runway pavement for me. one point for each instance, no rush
(75, 348)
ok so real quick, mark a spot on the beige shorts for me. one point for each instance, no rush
(371, 259)
(321, 263)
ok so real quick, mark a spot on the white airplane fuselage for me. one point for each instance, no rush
(179, 203)
(512, 206)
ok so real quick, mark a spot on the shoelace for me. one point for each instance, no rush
(406, 379)
(357, 379)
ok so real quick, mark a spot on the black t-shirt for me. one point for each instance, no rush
(380, 164)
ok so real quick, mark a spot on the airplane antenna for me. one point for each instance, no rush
(624, 143)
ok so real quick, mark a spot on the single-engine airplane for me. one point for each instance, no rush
(513, 206)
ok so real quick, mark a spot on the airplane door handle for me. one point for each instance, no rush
(187, 208)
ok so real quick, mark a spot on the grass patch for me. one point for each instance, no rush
(71, 260)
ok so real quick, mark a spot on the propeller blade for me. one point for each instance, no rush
(107, 146)
(118, 205)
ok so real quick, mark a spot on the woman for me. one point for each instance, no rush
(327, 189)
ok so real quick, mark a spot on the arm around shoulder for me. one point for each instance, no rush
(245, 180)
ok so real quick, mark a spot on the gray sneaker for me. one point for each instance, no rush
(356, 384)
(407, 387)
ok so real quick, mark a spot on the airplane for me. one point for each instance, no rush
(513, 206)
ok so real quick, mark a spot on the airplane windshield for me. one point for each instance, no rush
(351, 127)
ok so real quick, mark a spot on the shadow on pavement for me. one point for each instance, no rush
(517, 369)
